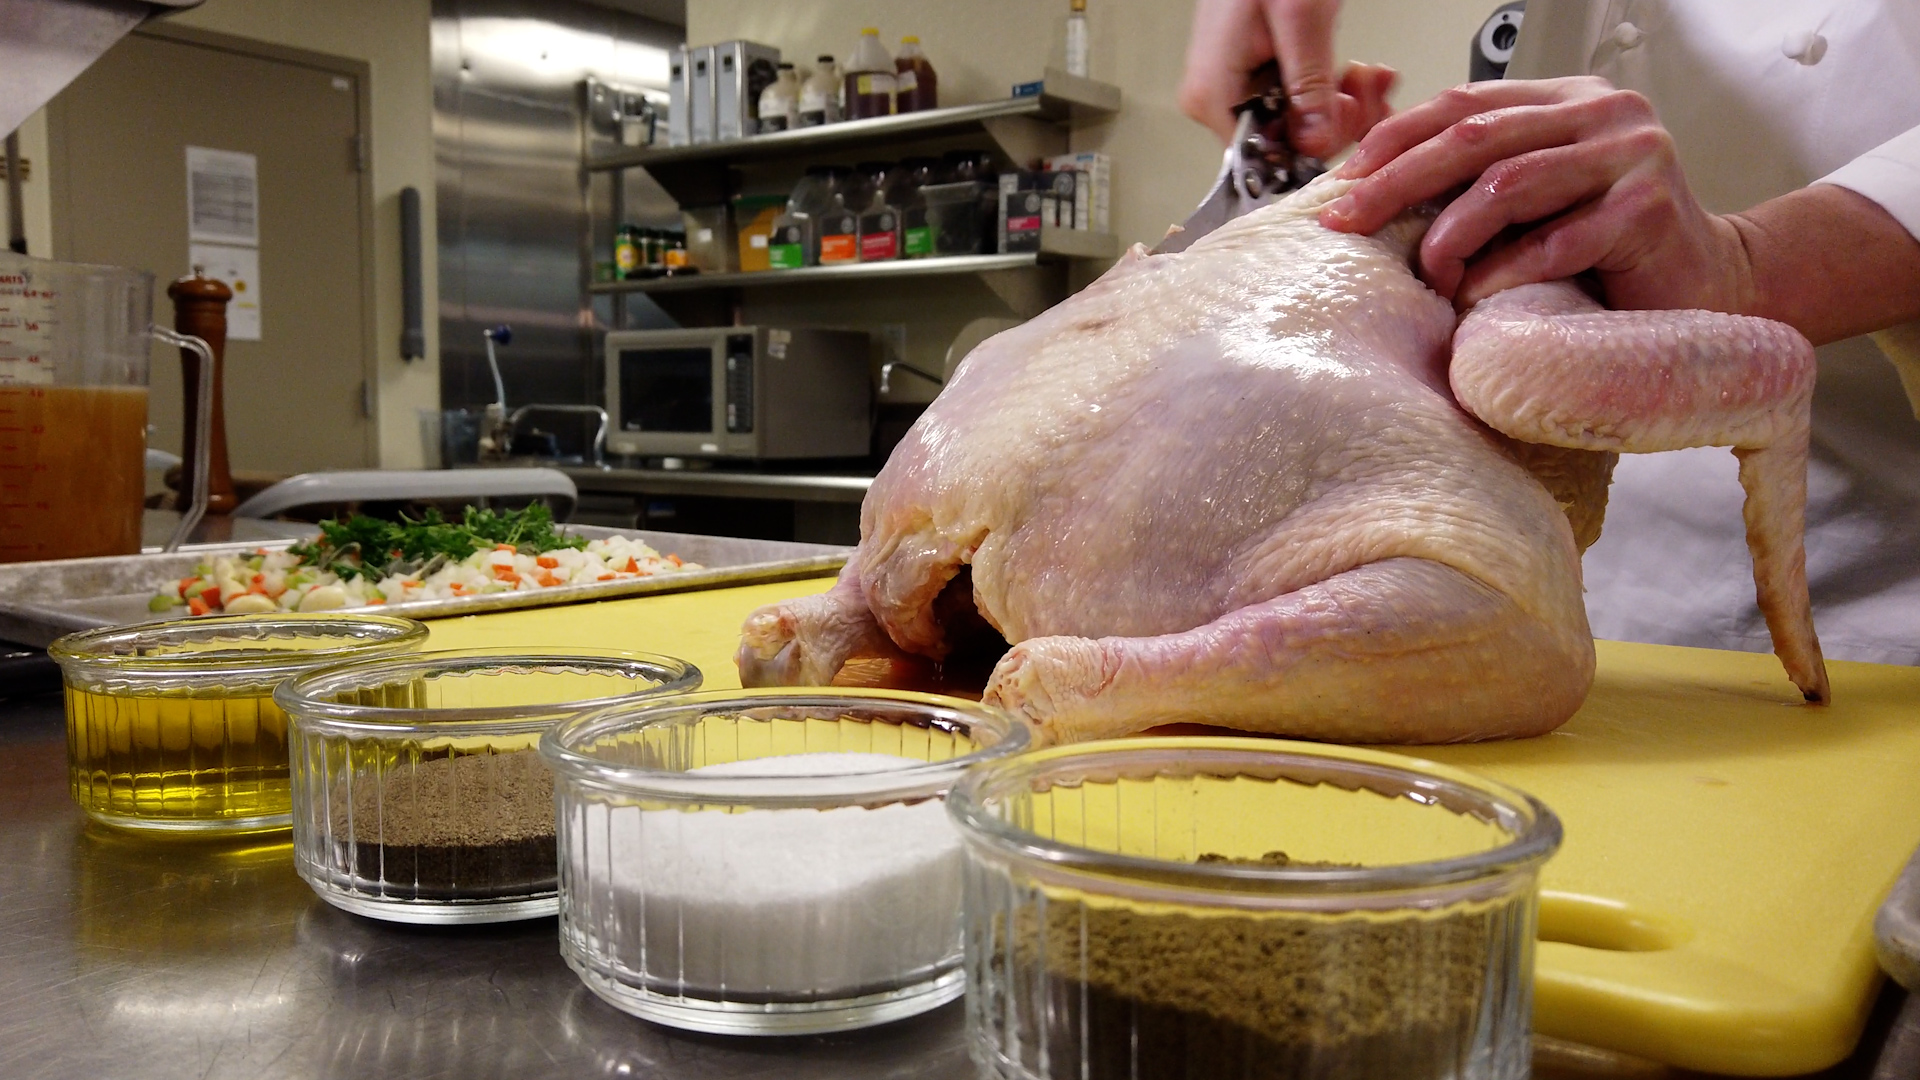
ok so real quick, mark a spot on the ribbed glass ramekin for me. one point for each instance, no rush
(172, 725)
(418, 792)
(1181, 907)
(768, 861)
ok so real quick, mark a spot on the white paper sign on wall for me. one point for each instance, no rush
(239, 268)
(223, 197)
(223, 230)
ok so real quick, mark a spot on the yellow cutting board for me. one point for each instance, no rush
(1726, 846)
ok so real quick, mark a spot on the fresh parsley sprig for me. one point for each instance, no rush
(362, 546)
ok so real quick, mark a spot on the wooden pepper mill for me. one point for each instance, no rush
(200, 309)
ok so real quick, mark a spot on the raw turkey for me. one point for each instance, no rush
(1271, 483)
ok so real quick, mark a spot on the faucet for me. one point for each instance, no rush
(886, 374)
(599, 436)
(496, 430)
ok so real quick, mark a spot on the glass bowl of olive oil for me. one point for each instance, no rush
(172, 726)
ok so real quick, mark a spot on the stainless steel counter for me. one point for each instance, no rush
(722, 484)
(208, 959)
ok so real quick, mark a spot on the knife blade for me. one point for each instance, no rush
(1258, 167)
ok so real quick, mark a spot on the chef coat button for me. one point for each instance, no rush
(1804, 46)
(1627, 35)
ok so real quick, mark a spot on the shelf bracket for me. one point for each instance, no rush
(1029, 291)
(1024, 138)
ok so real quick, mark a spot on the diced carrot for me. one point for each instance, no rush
(511, 577)
(457, 589)
(675, 560)
(547, 561)
(548, 580)
(185, 582)
(505, 547)
(605, 577)
(257, 589)
(377, 600)
(198, 606)
(258, 578)
(633, 565)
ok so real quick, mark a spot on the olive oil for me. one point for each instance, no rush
(207, 761)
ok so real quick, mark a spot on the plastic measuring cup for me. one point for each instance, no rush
(73, 408)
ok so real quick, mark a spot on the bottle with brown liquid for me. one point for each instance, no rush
(916, 87)
(870, 78)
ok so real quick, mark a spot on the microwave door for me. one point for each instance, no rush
(667, 398)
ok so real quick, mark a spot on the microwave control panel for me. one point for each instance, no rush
(739, 384)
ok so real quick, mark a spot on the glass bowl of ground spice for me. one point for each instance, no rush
(1180, 907)
(171, 726)
(768, 862)
(418, 792)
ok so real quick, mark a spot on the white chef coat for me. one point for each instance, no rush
(1763, 97)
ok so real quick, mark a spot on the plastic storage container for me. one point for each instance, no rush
(916, 85)
(172, 725)
(870, 78)
(418, 795)
(953, 217)
(1183, 907)
(771, 861)
(820, 94)
(754, 217)
(709, 234)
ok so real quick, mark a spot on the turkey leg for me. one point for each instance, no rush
(1402, 650)
(805, 641)
(1546, 364)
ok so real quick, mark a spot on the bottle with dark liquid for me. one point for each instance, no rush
(870, 78)
(916, 87)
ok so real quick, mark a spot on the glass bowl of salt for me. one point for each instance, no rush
(1166, 908)
(768, 862)
(418, 793)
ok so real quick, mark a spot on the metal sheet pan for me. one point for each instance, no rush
(41, 601)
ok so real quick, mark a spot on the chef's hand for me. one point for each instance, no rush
(1233, 37)
(1583, 173)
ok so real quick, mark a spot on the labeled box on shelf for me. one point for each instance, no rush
(1093, 193)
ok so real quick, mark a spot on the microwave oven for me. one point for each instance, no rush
(739, 392)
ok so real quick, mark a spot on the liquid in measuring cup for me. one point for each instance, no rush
(72, 470)
(73, 408)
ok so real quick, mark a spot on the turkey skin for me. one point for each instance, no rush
(1275, 483)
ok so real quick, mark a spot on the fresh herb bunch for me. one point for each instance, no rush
(362, 546)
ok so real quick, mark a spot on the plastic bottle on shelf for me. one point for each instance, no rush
(879, 216)
(916, 86)
(868, 183)
(839, 233)
(902, 190)
(794, 242)
(780, 102)
(628, 255)
(675, 259)
(870, 78)
(1077, 39)
(820, 94)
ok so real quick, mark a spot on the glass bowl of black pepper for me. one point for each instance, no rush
(1214, 906)
(418, 794)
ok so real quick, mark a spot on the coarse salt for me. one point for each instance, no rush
(773, 904)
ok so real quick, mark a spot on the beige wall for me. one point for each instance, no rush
(1163, 162)
(391, 36)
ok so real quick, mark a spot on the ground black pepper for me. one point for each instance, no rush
(477, 826)
(1152, 995)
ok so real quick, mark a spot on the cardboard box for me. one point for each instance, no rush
(1099, 184)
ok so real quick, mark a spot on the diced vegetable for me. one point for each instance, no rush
(431, 558)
